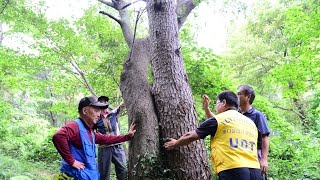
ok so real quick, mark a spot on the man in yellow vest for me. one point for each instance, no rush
(233, 140)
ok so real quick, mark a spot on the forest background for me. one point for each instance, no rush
(47, 65)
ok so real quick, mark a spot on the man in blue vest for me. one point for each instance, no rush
(76, 141)
(108, 123)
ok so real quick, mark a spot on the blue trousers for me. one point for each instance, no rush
(116, 155)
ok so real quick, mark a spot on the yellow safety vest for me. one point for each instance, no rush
(235, 142)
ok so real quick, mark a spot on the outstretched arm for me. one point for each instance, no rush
(103, 139)
(186, 139)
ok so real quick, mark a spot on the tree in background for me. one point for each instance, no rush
(277, 52)
(62, 59)
(47, 67)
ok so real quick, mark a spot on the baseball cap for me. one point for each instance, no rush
(101, 98)
(91, 101)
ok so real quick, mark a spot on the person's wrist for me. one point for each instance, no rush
(72, 162)
(264, 159)
(129, 135)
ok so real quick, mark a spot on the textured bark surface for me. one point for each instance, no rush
(140, 106)
(172, 94)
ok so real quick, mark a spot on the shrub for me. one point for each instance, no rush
(46, 150)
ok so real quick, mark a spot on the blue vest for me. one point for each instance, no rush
(87, 156)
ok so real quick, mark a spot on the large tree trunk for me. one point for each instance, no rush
(139, 102)
(172, 94)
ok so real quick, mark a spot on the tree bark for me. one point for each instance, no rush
(172, 94)
(144, 147)
(136, 93)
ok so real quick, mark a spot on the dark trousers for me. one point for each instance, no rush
(240, 174)
(116, 155)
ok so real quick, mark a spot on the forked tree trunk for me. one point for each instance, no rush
(172, 94)
(173, 99)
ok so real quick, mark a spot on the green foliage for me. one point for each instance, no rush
(3, 129)
(153, 167)
(18, 168)
(45, 152)
(289, 147)
(5, 114)
(29, 138)
(277, 52)
(43, 83)
(22, 16)
(302, 26)
(110, 56)
(277, 123)
(58, 52)
(208, 148)
(314, 115)
(204, 70)
(297, 154)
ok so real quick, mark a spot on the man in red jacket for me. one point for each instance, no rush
(76, 141)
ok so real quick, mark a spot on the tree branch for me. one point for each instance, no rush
(4, 6)
(134, 33)
(292, 110)
(111, 16)
(108, 3)
(120, 6)
(74, 64)
(116, 5)
(184, 8)
(127, 5)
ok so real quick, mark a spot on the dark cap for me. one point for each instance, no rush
(101, 98)
(91, 101)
